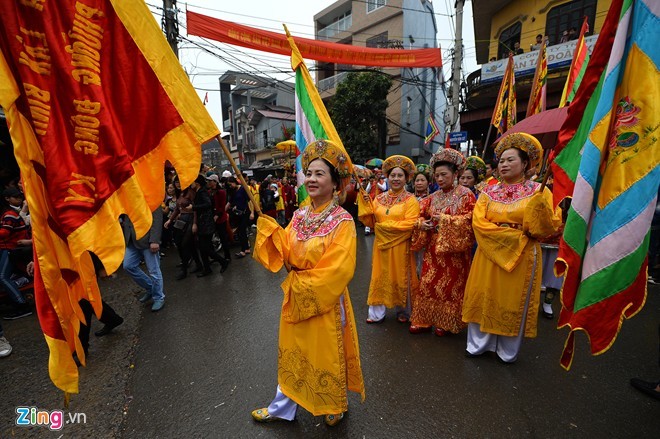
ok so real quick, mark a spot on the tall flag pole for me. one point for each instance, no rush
(431, 129)
(578, 67)
(84, 159)
(504, 115)
(603, 252)
(312, 119)
(536, 102)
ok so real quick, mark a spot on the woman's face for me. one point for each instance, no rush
(511, 168)
(467, 179)
(171, 189)
(397, 179)
(444, 176)
(177, 184)
(421, 183)
(318, 181)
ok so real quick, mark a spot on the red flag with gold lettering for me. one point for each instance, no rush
(96, 102)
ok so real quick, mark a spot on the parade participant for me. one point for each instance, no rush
(319, 357)
(421, 189)
(550, 283)
(502, 293)
(490, 179)
(445, 230)
(474, 173)
(393, 215)
(421, 182)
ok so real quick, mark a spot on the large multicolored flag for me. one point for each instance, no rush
(312, 119)
(431, 129)
(504, 115)
(565, 156)
(536, 102)
(603, 253)
(578, 67)
(96, 102)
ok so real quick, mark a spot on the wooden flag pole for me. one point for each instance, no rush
(239, 175)
(483, 154)
(548, 170)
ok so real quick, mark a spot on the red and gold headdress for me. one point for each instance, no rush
(399, 161)
(449, 155)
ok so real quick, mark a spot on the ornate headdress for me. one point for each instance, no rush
(524, 142)
(423, 168)
(477, 165)
(449, 155)
(333, 154)
(399, 161)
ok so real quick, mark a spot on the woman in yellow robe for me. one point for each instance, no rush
(393, 215)
(502, 292)
(319, 357)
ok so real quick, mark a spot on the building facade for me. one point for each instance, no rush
(257, 112)
(498, 26)
(416, 92)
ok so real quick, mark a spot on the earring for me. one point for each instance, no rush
(335, 195)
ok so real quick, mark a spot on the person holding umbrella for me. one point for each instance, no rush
(393, 214)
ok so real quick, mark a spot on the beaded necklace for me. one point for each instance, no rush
(311, 221)
(442, 200)
(389, 200)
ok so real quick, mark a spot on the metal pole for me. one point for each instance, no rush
(456, 68)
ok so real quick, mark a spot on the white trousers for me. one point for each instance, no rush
(377, 312)
(282, 406)
(506, 347)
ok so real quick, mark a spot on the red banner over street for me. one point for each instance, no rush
(252, 38)
(96, 102)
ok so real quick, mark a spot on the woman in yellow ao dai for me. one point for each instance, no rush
(502, 292)
(319, 357)
(393, 215)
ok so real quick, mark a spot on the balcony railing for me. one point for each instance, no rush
(333, 29)
(331, 82)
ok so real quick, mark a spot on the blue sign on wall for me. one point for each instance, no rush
(458, 137)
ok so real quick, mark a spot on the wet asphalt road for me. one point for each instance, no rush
(210, 357)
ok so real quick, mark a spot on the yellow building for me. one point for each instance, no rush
(498, 26)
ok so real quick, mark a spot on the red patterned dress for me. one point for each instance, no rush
(439, 301)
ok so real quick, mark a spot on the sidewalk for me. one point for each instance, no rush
(25, 380)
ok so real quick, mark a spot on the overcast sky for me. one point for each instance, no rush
(204, 69)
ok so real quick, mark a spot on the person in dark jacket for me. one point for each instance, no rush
(204, 226)
(220, 216)
(145, 249)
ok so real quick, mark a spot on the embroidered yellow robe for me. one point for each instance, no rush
(318, 357)
(393, 265)
(507, 221)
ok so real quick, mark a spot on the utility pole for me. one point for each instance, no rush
(171, 25)
(455, 88)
